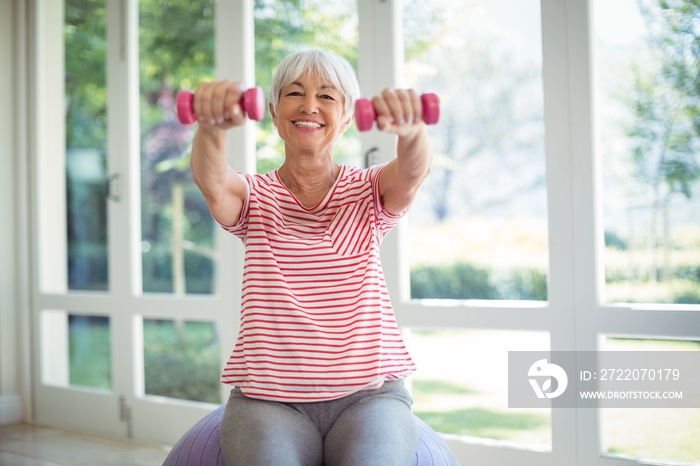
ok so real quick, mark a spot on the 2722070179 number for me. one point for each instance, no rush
(639, 374)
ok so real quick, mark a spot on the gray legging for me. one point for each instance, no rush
(370, 427)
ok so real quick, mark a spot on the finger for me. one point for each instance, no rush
(384, 117)
(233, 113)
(395, 104)
(218, 101)
(417, 106)
(407, 106)
(202, 102)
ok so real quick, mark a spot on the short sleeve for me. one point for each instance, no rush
(240, 228)
(385, 219)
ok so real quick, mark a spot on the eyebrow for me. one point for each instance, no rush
(323, 86)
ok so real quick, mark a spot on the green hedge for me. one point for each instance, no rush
(461, 280)
(184, 367)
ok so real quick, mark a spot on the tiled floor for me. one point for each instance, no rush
(27, 445)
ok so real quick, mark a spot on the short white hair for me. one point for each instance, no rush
(327, 65)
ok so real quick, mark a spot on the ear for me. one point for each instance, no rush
(347, 124)
(272, 114)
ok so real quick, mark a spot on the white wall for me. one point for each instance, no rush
(10, 405)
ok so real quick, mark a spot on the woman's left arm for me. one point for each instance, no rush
(400, 112)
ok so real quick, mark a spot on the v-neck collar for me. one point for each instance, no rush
(323, 202)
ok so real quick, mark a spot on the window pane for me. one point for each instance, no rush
(478, 229)
(76, 350)
(286, 26)
(468, 396)
(660, 434)
(86, 132)
(649, 144)
(90, 351)
(176, 41)
(181, 360)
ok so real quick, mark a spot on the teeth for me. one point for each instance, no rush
(307, 124)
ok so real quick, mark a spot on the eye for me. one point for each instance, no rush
(293, 93)
(327, 97)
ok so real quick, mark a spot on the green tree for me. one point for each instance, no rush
(666, 99)
(84, 35)
(491, 109)
(286, 26)
(85, 78)
(665, 129)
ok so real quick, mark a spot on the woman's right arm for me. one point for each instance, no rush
(217, 108)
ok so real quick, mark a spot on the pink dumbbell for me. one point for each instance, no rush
(365, 115)
(252, 101)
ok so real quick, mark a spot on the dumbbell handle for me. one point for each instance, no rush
(365, 114)
(252, 102)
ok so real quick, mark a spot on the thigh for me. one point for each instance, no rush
(258, 432)
(377, 430)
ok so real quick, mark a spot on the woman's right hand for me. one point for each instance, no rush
(217, 105)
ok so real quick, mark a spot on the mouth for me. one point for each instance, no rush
(307, 124)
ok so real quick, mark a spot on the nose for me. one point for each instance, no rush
(309, 104)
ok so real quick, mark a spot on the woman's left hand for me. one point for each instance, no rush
(399, 111)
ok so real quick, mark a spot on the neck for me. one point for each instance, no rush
(309, 180)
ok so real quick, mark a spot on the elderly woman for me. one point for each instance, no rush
(319, 364)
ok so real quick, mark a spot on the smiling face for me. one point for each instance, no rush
(309, 115)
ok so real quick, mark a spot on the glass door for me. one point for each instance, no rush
(130, 308)
(78, 348)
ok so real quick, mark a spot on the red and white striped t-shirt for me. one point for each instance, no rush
(316, 319)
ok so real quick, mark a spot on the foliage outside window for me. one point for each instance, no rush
(649, 79)
(478, 228)
(285, 26)
(84, 35)
(176, 43)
